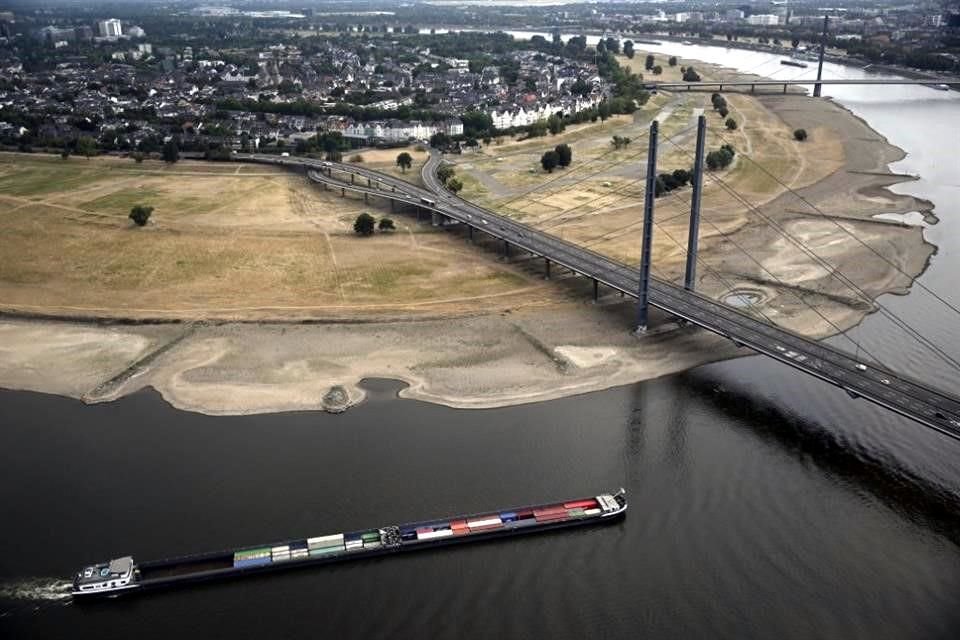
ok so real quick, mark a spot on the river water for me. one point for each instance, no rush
(762, 503)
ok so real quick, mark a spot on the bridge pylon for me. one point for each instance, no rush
(643, 297)
(690, 274)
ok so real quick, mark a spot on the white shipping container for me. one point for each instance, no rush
(280, 549)
(486, 522)
(430, 535)
(591, 512)
(322, 540)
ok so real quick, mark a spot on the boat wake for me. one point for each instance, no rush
(36, 590)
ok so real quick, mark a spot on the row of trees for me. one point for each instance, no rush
(667, 182)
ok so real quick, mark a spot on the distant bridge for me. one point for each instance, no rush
(753, 84)
(913, 399)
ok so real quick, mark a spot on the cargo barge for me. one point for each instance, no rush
(124, 576)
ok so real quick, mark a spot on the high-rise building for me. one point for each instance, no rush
(110, 28)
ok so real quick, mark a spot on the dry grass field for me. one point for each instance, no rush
(597, 202)
(225, 241)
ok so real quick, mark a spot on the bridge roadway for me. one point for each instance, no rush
(952, 82)
(917, 401)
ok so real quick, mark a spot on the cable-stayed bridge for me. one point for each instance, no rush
(932, 407)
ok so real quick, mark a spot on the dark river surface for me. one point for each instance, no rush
(763, 503)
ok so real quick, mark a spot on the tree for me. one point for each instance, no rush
(364, 224)
(672, 61)
(628, 49)
(564, 154)
(723, 111)
(440, 140)
(386, 224)
(682, 176)
(138, 157)
(580, 88)
(731, 124)
(657, 70)
(140, 214)
(171, 151)
(800, 134)
(86, 146)
(555, 124)
(795, 43)
(454, 185)
(538, 129)
(620, 142)
(603, 110)
(690, 75)
(335, 156)
(648, 65)
(404, 161)
(550, 160)
(444, 173)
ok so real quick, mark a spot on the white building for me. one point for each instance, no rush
(764, 19)
(136, 32)
(110, 28)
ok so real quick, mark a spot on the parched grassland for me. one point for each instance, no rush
(597, 202)
(225, 241)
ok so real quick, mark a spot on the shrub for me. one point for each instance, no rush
(800, 134)
(356, 158)
(386, 224)
(731, 124)
(140, 214)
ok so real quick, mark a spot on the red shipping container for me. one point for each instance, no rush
(584, 504)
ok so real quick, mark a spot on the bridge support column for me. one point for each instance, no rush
(643, 296)
(546, 264)
(435, 219)
(784, 87)
(596, 291)
(366, 198)
(369, 183)
(506, 249)
(393, 206)
(470, 234)
(343, 192)
(694, 232)
(823, 41)
(753, 88)
(351, 178)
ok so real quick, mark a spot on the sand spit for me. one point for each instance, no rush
(235, 369)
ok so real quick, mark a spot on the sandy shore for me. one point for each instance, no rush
(478, 362)
(562, 345)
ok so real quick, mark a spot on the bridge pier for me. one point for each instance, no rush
(469, 234)
(351, 178)
(784, 87)
(393, 205)
(369, 184)
(546, 263)
(506, 249)
(753, 88)
(596, 291)
(435, 219)
(343, 192)
(643, 297)
(366, 199)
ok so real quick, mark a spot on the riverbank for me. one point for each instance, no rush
(228, 369)
(260, 322)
